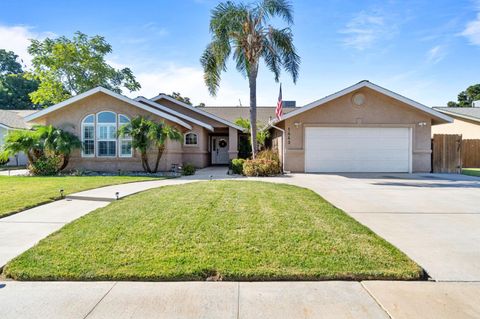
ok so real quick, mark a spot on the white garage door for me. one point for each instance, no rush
(357, 149)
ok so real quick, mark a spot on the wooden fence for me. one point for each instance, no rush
(450, 153)
(470, 153)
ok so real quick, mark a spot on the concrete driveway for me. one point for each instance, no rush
(433, 218)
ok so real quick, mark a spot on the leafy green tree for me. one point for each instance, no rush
(466, 98)
(14, 87)
(244, 31)
(67, 67)
(146, 133)
(179, 97)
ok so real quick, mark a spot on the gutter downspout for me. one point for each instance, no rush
(283, 145)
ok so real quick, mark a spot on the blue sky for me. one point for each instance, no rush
(425, 50)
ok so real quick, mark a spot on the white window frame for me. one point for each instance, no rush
(82, 134)
(98, 139)
(185, 139)
(123, 139)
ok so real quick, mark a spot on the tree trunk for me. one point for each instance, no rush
(146, 167)
(66, 159)
(252, 79)
(159, 156)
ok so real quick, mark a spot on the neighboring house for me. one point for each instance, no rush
(265, 114)
(466, 121)
(363, 128)
(13, 120)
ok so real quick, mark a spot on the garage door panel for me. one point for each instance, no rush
(339, 149)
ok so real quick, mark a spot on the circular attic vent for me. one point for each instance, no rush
(358, 99)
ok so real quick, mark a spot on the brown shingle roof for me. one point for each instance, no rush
(14, 118)
(231, 113)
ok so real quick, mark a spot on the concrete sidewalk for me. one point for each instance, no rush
(23, 230)
(210, 300)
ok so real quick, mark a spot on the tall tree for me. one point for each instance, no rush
(466, 98)
(244, 30)
(14, 87)
(66, 67)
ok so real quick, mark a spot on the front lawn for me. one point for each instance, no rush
(231, 230)
(471, 171)
(18, 193)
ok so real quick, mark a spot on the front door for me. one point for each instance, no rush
(220, 150)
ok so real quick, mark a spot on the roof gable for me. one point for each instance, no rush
(173, 112)
(99, 89)
(196, 110)
(441, 118)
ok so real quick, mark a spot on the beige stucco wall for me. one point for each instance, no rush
(468, 129)
(71, 116)
(379, 110)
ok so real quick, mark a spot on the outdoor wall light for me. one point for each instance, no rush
(297, 124)
(422, 123)
(117, 194)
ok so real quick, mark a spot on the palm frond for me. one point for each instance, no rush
(276, 8)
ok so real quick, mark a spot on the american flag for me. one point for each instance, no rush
(279, 109)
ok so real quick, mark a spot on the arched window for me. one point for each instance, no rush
(106, 134)
(191, 139)
(88, 136)
(99, 135)
(125, 142)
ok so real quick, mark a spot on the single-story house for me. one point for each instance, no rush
(13, 120)
(466, 121)
(363, 128)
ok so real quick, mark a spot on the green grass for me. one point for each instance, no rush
(18, 193)
(471, 171)
(237, 230)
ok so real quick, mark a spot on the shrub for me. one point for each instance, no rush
(45, 166)
(188, 169)
(237, 165)
(267, 163)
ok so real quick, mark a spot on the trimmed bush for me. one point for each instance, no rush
(267, 163)
(45, 166)
(188, 169)
(237, 166)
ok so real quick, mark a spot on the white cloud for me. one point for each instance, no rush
(17, 39)
(472, 31)
(436, 54)
(365, 29)
(189, 82)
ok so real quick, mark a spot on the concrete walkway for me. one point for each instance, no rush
(223, 300)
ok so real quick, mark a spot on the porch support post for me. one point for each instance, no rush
(232, 142)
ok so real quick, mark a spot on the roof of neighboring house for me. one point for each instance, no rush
(112, 94)
(437, 116)
(197, 110)
(264, 113)
(14, 119)
(469, 113)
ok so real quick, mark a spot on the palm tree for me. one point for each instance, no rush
(245, 31)
(145, 133)
(59, 142)
(138, 129)
(262, 135)
(159, 133)
(25, 141)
